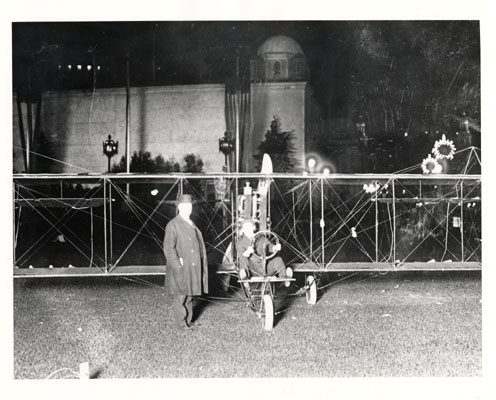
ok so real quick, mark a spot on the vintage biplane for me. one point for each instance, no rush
(112, 224)
(259, 289)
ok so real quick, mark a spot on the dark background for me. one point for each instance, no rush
(356, 67)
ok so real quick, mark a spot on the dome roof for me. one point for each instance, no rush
(279, 44)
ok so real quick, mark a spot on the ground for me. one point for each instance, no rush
(363, 325)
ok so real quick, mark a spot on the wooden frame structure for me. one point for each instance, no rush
(112, 224)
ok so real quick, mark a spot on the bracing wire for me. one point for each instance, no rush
(56, 160)
(139, 231)
(53, 226)
(352, 209)
(91, 237)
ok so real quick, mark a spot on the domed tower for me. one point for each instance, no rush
(278, 87)
(279, 58)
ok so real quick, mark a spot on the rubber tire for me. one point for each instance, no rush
(311, 292)
(268, 312)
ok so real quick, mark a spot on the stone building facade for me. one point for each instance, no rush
(176, 120)
(169, 120)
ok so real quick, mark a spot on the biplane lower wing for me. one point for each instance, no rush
(386, 267)
(129, 270)
(113, 223)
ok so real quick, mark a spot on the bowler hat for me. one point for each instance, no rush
(184, 198)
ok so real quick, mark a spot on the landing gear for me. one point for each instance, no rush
(311, 292)
(267, 312)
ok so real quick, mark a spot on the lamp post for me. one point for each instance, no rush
(364, 140)
(110, 148)
(360, 128)
(466, 136)
(226, 146)
(311, 162)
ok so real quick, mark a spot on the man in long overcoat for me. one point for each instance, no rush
(187, 268)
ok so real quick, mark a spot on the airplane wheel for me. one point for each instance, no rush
(311, 292)
(268, 312)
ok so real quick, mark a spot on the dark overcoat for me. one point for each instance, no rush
(185, 241)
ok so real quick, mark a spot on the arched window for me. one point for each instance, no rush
(277, 68)
(299, 67)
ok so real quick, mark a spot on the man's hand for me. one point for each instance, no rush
(181, 261)
(277, 247)
(248, 252)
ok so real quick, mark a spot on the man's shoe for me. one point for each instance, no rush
(189, 327)
(184, 326)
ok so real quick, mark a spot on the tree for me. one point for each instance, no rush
(142, 161)
(166, 166)
(416, 75)
(193, 164)
(279, 146)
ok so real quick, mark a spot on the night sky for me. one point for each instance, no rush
(190, 52)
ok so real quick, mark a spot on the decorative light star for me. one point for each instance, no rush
(431, 166)
(444, 148)
(372, 188)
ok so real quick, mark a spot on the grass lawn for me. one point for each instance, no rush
(393, 325)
